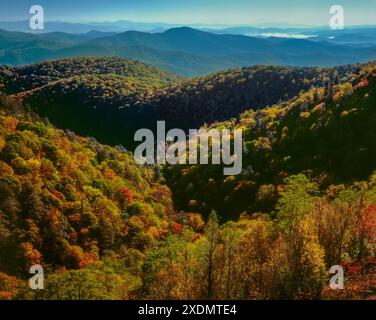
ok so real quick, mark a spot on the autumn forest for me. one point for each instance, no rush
(73, 199)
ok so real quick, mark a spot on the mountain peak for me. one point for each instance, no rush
(182, 30)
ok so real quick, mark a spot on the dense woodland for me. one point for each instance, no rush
(24, 78)
(327, 133)
(106, 228)
(102, 93)
(225, 95)
(127, 95)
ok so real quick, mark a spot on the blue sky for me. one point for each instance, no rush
(296, 12)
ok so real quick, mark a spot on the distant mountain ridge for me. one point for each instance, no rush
(186, 51)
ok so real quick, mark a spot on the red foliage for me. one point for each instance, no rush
(87, 259)
(364, 83)
(177, 228)
(57, 194)
(360, 280)
(366, 226)
(354, 269)
(46, 170)
(125, 194)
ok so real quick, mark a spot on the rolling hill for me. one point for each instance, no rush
(100, 92)
(125, 96)
(24, 78)
(297, 133)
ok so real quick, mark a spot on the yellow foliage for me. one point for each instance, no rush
(229, 180)
(196, 222)
(194, 203)
(5, 168)
(153, 231)
(305, 115)
(2, 143)
(34, 164)
(319, 108)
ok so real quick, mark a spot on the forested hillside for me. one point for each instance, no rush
(225, 95)
(105, 228)
(101, 93)
(326, 132)
(67, 201)
(24, 78)
(127, 95)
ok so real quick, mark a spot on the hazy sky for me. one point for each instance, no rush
(307, 12)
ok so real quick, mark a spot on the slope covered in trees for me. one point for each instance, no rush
(98, 102)
(225, 95)
(101, 93)
(105, 228)
(67, 201)
(326, 132)
(126, 95)
(24, 78)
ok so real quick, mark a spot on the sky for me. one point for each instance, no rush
(230, 12)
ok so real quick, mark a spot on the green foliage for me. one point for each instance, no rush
(33, 76)
(94, 283)
(296, 200)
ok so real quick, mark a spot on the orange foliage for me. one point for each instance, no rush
(75, 218)
(154, 232)
(2, 143)
(79, 259)
(10, 123)
(31, 254)
(55, 216)
(364, 83)
(8, 286)
(109, 174)
(5, 168)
